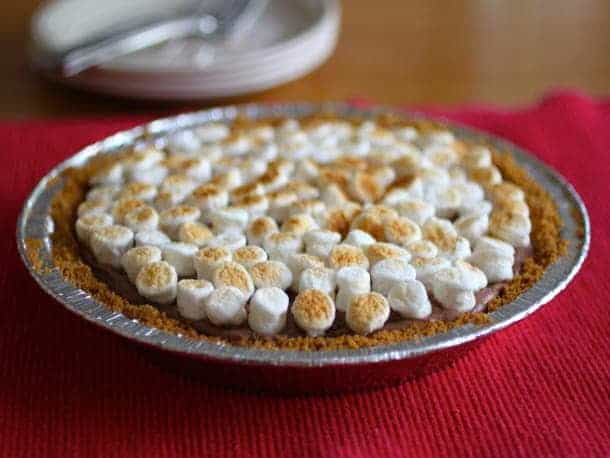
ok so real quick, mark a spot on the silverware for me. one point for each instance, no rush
(233, 16)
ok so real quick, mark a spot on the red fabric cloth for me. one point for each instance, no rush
(539, 388)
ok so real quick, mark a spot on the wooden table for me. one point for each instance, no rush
(392, 51)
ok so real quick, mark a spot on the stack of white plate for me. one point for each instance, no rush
(290, 39)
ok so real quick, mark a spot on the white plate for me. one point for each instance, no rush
(290, 40)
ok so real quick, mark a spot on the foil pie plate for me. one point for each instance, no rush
(299, 371)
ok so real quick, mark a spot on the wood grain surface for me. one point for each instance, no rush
(390, 51)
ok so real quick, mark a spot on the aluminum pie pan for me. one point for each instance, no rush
(35, 222)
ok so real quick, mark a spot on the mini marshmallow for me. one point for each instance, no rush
(306, 170)
(298, 262)
(110, 175)
(253, 205)
(231, 240)
(364, 187)
(506, 191)
(123, 206)
(513, 228)
(157, 282)
(230, 273)
(351, 281)
(435, 138)
(401, 231)
(416, 210)
(446, 201)
(144, 159)
(280, 203)
(486, 176)
(183, 141)
(166, 200)
(313, 312)
(433, 180)
(137, 190)
(191, 298)
(142, 219)
(367, 313)
(406, 134)
(273, 179)
(319, 242)
(207, 259)
(260, 228)
(107, 193)
(389, 272)
(477, 157)
(246, 190)
(440, 232)
(209, 197)
(180, 256)
(344, 255)
(359, 238)
(269, 274)
(249, 255)
(312, 207)
(410, 300)
(264, 133)
(194, 233)
(472, 226)
(422, 249)
(89, 222)
(483, 207)
(153, 176)
(281, 245)
(319, 278)
(299, 224)
(491, 244)
(332, 195)
(135, 258)
(380, 251)
(108, 243)
(226, 306)
(425, 268)
(471, 193)
(178, 185)
(453, 287)
(496, 266)
(93, 206)
(152, 238)
(228, 219)
(267, 311)
(172, 218)
(212, 132)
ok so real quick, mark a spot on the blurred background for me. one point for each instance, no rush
(410, 52)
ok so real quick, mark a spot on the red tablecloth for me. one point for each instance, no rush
(538, 389)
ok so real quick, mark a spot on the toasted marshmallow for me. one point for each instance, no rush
(452, 296)
(153, 176)
(486, 176)
(249, 255)
(281, 245)
(135, 258)
(320, 242)
(471, 193)
(273, 179)
(407, 134)
(359, 238)
(152, 238)
(171, 219)
(207, 259)
(226, 306)
(228, 219)
(442, 233)
(178, 185)
(351, 281)
(380, 251)
(496, 266)
(306, 170)
(299, 224)
(506, 191)
(446, 201)
(280, 203)
(267, 311)
(142, 219)
(313, 311)
(512, 206)
(138, 190)
(231, 240)
(93, 206)
(180, 256)
(268, 274)
(260, 228)
(144, 159)
(194, 233)
(422, 249)
(472, 226)
(166, 200)
(89, 222)
(209, 197)
(157, 282)
(107, 193)
(410, 300)
(367, 313)
(312, 207)
(108, 243)
(212, 132)
(298, 262)
(344, 255)
(491, 244)
(247, 190)
(477, 157)
(319, 278)
(255, 206)
(388, 272)
(513, 228)
(416, 210)
(230, 273)
(109, 175)
(425, 268)
(191, 298)
(333, 196)
(401, 231)
(124, 206)
(183, 142)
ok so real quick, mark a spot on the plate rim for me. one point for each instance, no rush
(80, 303)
